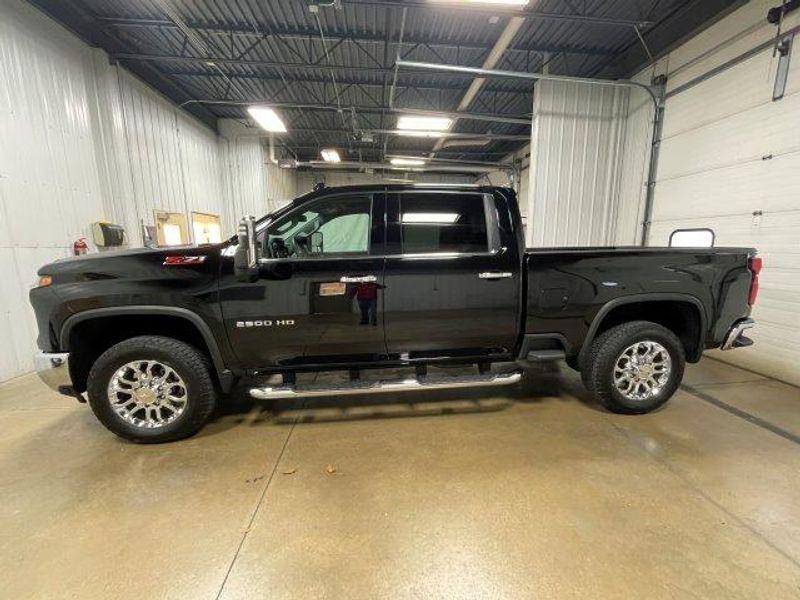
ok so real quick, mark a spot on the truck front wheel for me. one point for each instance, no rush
(635, 367)
(152, 389)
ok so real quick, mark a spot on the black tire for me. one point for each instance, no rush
(598, 374)
(188, 362)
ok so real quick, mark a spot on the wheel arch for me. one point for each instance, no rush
(189, 318)
(644, 304)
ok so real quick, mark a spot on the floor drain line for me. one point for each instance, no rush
(742, 414)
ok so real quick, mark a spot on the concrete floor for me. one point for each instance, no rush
(529, 493)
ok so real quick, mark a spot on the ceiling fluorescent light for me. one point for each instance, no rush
(498, 2)
(425, 134)
(407, 122)
(412, 217)
(330, 155)
(459, 142)
(267, 118)
(407, 162)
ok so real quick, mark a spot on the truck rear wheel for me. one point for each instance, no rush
(152, 389)
(635, 367)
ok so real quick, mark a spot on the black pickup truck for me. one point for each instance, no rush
(355, 278)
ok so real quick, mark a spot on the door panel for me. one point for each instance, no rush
(457, 295)
(441, 307)
(311, 309)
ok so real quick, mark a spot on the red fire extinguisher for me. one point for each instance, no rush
(80, 247)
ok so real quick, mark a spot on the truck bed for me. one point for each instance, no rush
(568, 287)
(638, 250)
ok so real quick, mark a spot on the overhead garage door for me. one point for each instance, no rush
(730, 160)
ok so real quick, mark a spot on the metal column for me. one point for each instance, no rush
(659, 88)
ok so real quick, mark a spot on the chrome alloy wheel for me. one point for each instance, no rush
(642, 370)
(147, 393)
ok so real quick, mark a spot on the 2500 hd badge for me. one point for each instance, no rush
(266, 323)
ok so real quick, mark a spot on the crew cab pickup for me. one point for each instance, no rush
(365, 277)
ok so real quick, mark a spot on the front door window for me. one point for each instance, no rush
(329, 227)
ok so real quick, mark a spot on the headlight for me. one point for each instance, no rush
(45, 280)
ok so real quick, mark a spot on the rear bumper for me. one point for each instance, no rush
(735, 337)
(53, 369)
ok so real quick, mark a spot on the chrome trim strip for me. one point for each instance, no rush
(361, 256)
(492, 275)
(250, 227)
(387, 385)
(53, 370)
(735, 331)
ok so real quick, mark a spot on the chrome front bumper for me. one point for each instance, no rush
(53, 369)
(736, 338)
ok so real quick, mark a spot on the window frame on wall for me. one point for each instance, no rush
(166, 217)
(693, 230)
(197, 216)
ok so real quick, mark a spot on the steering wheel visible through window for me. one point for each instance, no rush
(338, 225)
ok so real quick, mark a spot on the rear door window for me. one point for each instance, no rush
(443, 223)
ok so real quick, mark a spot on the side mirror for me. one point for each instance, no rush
(245, 261)
(316, 242)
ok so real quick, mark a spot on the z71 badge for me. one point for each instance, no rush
(266, 323)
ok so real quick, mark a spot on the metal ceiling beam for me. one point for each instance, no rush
(221, 60)
(532, 76)
(342, 81)
(497, 118)
(503, 153)
(432, 168)
(509, 10)
(215, 61)
(393, 132)
(312, 35)
(454, 135)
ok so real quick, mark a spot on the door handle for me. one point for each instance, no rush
(495, 275)
(362, 279)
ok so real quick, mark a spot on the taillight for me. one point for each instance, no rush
(754, 264)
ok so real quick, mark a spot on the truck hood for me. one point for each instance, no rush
(113, 262)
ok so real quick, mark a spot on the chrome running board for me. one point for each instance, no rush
(409, 384)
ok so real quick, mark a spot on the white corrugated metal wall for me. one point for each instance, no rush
(86, 141)
(252, 185)
(49, 184)
(634, 164)
(728, 150)
(576, 137)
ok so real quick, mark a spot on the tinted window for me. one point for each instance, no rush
(328, 226)
(443, 223)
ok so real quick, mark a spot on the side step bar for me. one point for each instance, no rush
(385, 385)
